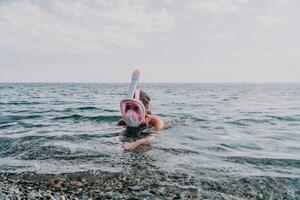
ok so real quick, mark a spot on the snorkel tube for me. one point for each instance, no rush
(136, 116)
(134, 82)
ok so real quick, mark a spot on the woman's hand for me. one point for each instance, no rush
(129, 145)
(121, 123)
(137, 143)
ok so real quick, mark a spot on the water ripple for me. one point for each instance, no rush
(229, 141)
(78, 117)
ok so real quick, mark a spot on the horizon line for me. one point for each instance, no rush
(148, 82)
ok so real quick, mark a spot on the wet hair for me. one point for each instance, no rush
(145, 99)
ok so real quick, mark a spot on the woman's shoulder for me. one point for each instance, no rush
(151, 118)
(155, 121)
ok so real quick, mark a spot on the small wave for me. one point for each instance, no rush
(81, 156)
(183, 121)
(165, 115)
(264, 161)
(83, 137)
(25, 125)
(218, 149)
(88, 108)
(238, 122)
(194, 138)
(283, 118)
(82, 108)
(77, 117)
(6, 167)
(13, 118)
(110, 110)
(240, 147)
(251, 112)
(6, 126)
(19, 103)
(247, 122)
(177, 151)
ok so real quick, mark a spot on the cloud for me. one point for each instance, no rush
(89, 37)
(169, 1)
(79, 26)
(214, 7)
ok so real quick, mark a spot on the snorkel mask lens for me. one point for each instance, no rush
(132, 107)
(133, 112)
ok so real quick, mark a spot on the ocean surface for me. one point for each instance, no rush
(227, 141)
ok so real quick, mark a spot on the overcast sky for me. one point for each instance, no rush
(169, 40)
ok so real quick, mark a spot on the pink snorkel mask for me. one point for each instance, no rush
(132, 109)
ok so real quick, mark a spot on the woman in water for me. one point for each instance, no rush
(139, 124)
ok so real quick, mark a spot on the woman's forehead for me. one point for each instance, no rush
(131, 104)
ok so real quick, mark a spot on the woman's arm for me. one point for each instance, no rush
(137, 143)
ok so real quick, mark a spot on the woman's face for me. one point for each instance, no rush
(133, 107)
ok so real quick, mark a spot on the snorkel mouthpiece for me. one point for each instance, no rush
(135, 117)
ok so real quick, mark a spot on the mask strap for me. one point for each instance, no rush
(137, 94)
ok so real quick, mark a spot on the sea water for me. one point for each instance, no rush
(223, 140)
